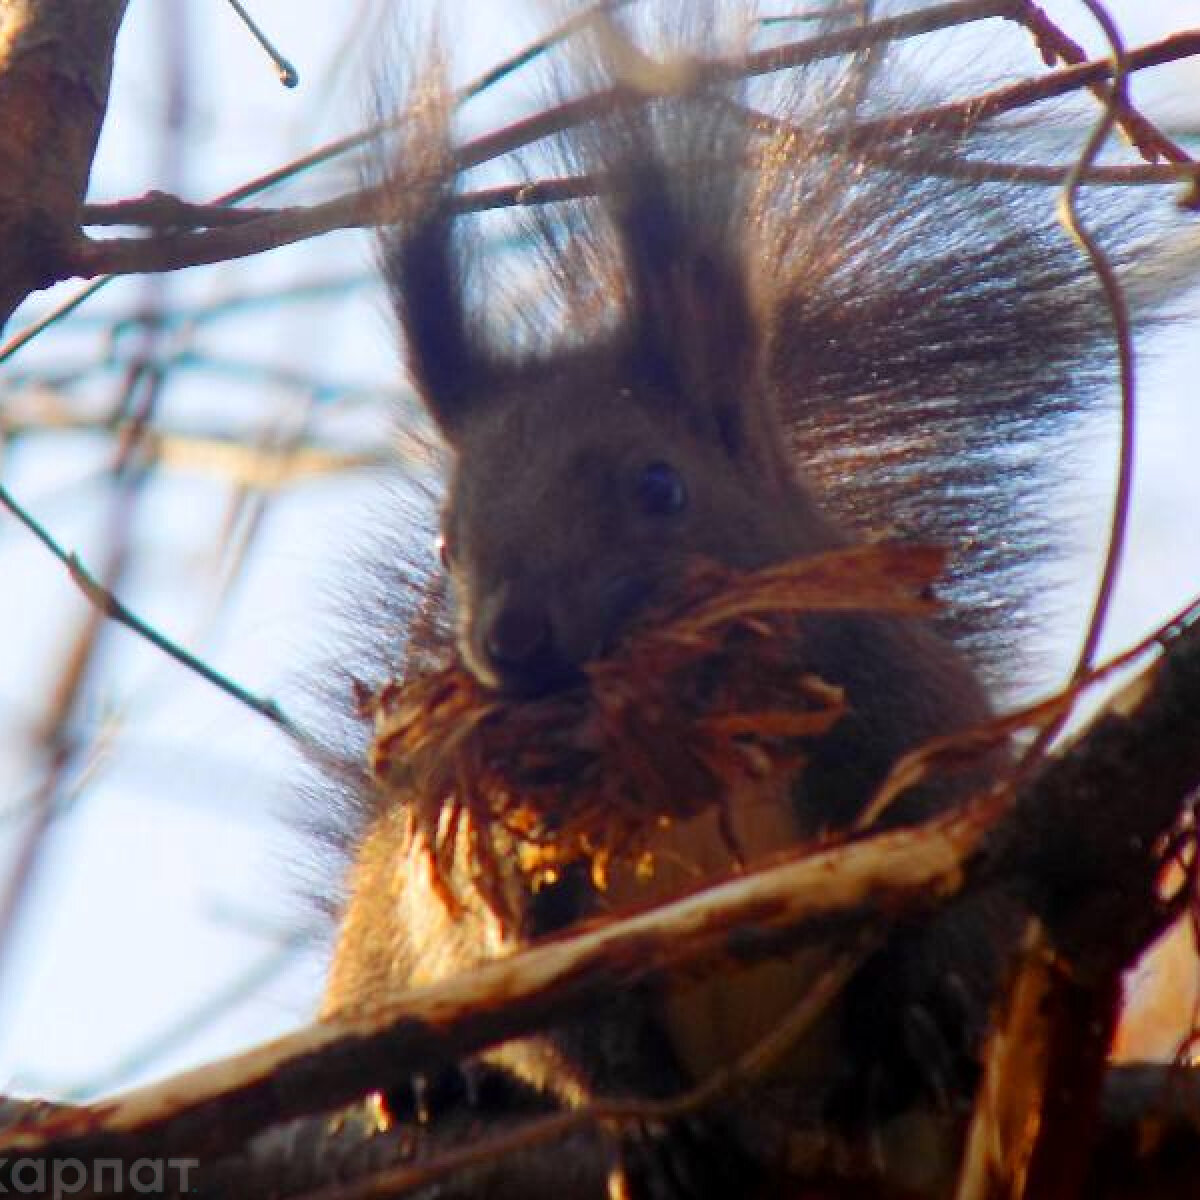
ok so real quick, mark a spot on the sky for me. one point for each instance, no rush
(164, 918)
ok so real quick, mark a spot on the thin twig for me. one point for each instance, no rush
(1114, 297)
(863, 37)
(288, 75)
(111, 607)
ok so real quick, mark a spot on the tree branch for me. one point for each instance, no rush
(55, 66)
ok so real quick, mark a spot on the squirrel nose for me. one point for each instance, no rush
(521, 651)
(517, 635)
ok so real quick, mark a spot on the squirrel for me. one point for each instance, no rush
(761, 328)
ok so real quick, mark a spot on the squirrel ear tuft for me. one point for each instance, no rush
(692, 330)
(689, 319)
(419, 252)
(425, 275)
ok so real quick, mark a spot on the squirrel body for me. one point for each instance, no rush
(756, 341)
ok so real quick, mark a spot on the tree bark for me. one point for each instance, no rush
(55, 65)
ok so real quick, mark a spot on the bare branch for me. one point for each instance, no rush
(55, 65)
(108, 605)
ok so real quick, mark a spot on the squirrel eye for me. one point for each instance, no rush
(661, 490)
(445, 551)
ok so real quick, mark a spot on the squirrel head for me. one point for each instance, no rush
(583, 479)
(579, 492)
